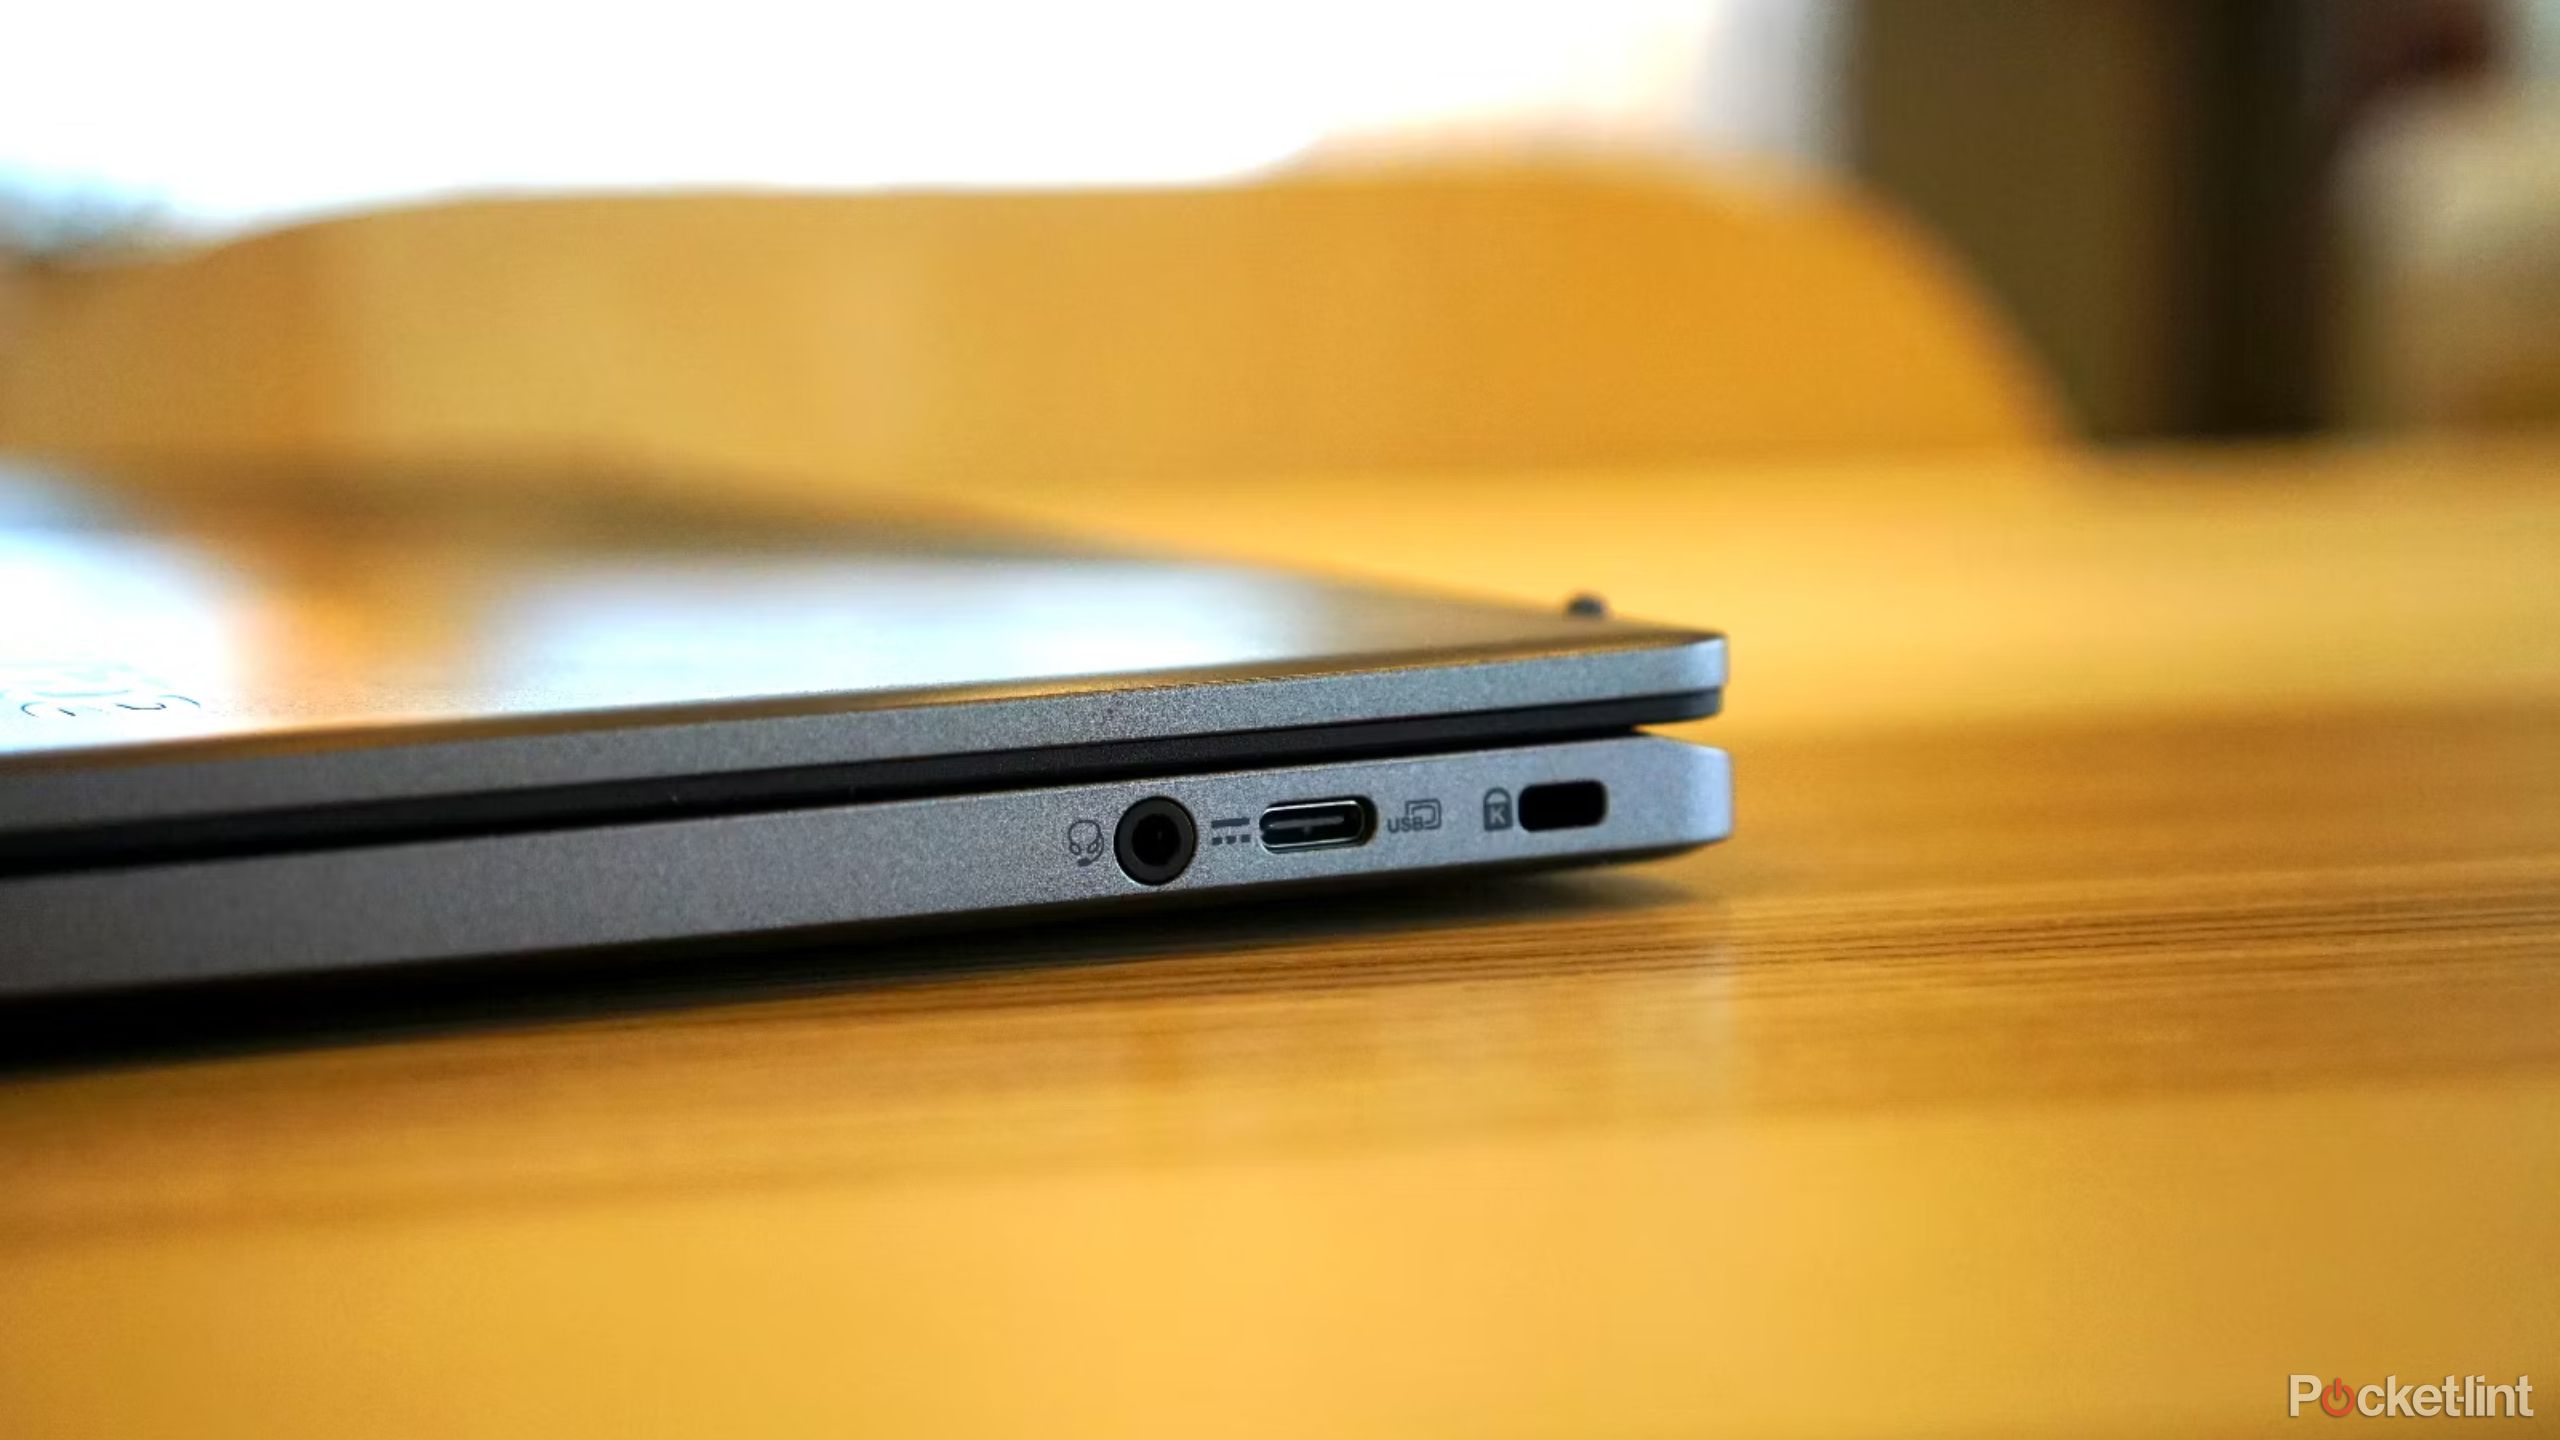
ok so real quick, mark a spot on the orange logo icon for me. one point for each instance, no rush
(2337, 1399)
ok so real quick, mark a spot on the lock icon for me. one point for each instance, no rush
(1497, 809)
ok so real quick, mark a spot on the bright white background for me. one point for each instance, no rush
(214, 116)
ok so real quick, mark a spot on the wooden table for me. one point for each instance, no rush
(2136, 980)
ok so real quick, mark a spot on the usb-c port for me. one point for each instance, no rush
(1318, 824)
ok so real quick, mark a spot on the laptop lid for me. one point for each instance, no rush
(191, 647)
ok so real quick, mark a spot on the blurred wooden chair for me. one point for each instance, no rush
(1380, 321)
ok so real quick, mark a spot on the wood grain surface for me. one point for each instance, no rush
(2135, 980)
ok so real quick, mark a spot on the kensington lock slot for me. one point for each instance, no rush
(1564, 805)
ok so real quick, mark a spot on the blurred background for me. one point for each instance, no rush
(2117, 434)
(261, 227)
